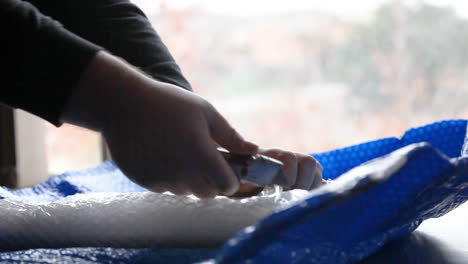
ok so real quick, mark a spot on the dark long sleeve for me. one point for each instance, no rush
(53, 56)
(35, 50)
(120, 27)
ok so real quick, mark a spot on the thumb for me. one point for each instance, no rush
(227, 137)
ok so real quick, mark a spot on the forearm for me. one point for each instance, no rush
(108, 88)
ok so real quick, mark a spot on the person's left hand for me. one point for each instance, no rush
(301, 171)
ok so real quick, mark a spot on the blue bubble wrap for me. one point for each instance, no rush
(343, 223)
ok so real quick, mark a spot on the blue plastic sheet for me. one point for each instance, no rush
(342, 225)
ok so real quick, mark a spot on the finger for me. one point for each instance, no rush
(247, 190)
(202, 189)
(318, 179)
(227, 137)
(179, 189)
(214, 170)
(157, 189)
(308, 173)
(289, 160)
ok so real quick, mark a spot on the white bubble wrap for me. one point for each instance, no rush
(135, 219)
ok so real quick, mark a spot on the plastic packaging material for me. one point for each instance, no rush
(142, 219)
(379, 201)
(386, 189)
(464, 152)
(106, 255)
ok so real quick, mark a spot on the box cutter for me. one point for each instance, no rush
(258, 170)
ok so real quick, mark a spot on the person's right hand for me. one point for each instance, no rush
(161, 136)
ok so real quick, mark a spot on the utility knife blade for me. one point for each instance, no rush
(258, 170)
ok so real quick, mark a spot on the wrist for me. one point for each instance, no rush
(101, 92)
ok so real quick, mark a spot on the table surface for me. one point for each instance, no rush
(438, 240)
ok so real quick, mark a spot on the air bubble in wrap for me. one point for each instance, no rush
(369, 205)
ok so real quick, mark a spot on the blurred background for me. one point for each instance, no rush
(306, 75)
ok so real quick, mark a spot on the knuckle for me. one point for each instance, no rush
(232, 134)
(273, 150)
(288, 156)
(206, 107)
(206, 104)
(309, 162)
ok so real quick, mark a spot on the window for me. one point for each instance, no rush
(71, 148)
(43, 150)
(314, 75)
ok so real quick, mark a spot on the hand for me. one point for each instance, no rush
(301, 171)
(161, 136)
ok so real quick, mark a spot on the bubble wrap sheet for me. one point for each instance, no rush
(374, 201)
(143, 219)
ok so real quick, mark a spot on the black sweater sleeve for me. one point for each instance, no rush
(35, 50)
(46, 58)
(120, 27)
